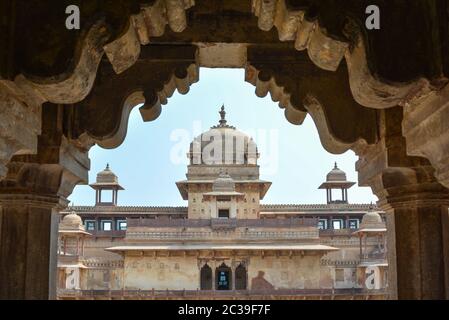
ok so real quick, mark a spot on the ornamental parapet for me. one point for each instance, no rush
(237, 223)
(199, 235)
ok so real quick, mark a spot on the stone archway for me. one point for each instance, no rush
(62, 96)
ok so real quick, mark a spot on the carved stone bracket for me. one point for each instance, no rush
(73, 85)
(426, 130)
(20, 123)
(328, 51)
(301, 87)
(149, 22)
(416, 206)
(154, 78)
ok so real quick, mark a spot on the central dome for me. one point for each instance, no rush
(223, 145)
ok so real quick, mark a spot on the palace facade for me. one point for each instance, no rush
(224, 243)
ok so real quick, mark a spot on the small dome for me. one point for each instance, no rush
(336, 174)
(72, 221)
(224, 183)
(372, 220)
(106, 176)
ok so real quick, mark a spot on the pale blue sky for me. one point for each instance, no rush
(291, 156)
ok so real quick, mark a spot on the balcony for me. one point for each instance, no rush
(337, 232)
(220, 234)
(223, 224)
(235, 229)
(374, 258)
(234, 223)
(108, 234)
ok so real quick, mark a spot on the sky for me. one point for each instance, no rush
(153, 156)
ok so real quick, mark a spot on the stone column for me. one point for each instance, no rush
(28, 246)
(34, 189)
(419, 257)
(416, 209)
(31, 196)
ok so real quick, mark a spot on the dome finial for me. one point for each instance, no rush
(335, 165)
(107, 166)
(223, 123)
(222, 116)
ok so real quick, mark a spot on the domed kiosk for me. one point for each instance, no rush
(373, 263)
(106, 181)
(336, 179)
(71, 240)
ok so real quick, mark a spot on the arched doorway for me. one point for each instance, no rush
(206, 278)
(223, 276)
(240, 277)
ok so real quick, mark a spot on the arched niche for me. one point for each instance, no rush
(206, 281)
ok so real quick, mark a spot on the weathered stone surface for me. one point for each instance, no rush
(300, 87)
(33, 191)
(30, 197)
(417, 208)
(405, 63)
(74, 85)
(151, 80)
(426, 130)
(20, 123)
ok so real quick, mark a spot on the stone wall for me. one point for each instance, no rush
(173, 273)
(284, 272)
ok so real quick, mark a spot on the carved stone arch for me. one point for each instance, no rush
(75, 83)
(150, 81)
(329, 141)
(151, 21)
(302, 22)
(303, 88)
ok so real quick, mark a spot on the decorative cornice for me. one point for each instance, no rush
(183, 210)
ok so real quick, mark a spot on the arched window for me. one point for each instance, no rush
(240, 277)
(206, 278)
(223, 277)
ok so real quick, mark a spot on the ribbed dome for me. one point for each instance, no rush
(372, 220)
(106, 176)
(223, 144)
(224, 183)
(72, 221)
(336, 174)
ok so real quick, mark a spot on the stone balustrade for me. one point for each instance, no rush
(238, 223)
(199, 235)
